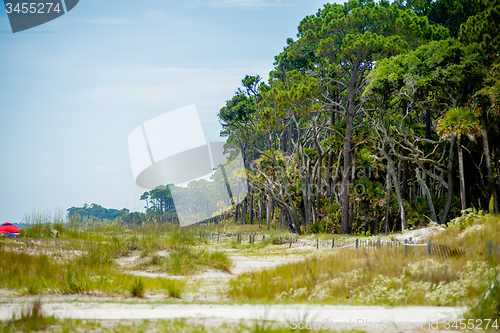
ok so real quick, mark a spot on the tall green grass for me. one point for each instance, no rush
(383, 276)
(36, 274)
(184, 260)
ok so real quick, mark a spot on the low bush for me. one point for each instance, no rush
(137, 288)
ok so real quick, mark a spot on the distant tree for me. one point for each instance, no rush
(97, 211)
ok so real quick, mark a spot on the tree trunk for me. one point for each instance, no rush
(268, 212)
(318, 188)
(387, 202)
(345, 226)
(413, 188)
(486, 148)
(365, 212)
(251, 207)
(329, 171)
(244, 211)
(427, 195)
(404, 179)
(237, 204)
(497, 162)
(333, 194)
(449, 197)
(260, 209)
(273, 204)
(392, 171)
(461, 172)
(428, 124)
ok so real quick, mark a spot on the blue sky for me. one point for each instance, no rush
(73, 89)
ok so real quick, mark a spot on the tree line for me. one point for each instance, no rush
(408, 89)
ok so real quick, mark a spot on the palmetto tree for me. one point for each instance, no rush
(459, 122)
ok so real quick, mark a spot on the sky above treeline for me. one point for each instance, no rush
(73, 89)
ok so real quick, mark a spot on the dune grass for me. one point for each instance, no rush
(184, 260)
(36, 274)
(173, 325)
(385, 276)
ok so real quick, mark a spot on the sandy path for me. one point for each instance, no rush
(283, 313)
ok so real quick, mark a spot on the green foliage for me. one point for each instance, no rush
(468, 218)
(137, 288)
(364, 234)
(159, 200)
(183, 260)
(483, 29)
(488, 305)
(97, 211)
(322, 226)
(174, 287)
(459, 122)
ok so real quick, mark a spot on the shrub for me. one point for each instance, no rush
(174, 287)
(137, 288)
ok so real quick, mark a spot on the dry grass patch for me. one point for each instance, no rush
(383, 277)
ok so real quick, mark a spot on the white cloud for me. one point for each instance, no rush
(107, 21)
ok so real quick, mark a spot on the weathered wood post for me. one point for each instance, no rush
(356, 243)
(406, 242)
(290, 242)
(333, 242)
(317, 243)
(428, 248)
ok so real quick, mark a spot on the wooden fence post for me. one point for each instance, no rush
(428, 248)
(290, 242)
(333, 242)
(317, 243)
(406, 242)
(356, 243)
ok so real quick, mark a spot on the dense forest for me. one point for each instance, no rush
(379, 116)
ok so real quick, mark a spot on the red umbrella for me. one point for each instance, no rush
(8, 228)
